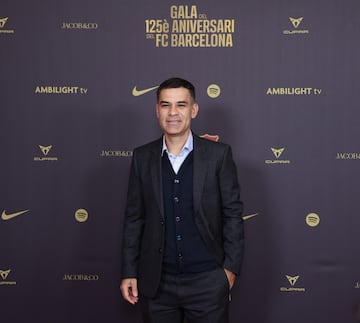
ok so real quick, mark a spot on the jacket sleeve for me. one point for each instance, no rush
(232, 207)
(133, 223)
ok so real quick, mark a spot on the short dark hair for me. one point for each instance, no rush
(176, 82)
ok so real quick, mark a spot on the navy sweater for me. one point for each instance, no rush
(185, 251)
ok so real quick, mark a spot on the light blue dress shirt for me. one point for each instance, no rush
(176, 161)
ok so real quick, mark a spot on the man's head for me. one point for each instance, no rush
(176, 107)
(176, 82)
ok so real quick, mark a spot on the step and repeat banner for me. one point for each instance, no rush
(277, 80)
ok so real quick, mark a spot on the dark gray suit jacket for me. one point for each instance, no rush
(217, 211)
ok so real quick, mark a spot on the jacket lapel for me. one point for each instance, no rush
(200, 172)
(155, 162)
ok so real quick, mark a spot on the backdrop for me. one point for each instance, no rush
(277, 80)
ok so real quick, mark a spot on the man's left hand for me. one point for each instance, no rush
(231, 277)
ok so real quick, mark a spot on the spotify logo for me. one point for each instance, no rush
(312, 219)
(213, 91)
(81, 215)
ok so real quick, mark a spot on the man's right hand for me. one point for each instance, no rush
(129, 290)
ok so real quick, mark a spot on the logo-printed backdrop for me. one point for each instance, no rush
(278, 80)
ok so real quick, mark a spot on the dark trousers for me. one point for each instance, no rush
(194, 297)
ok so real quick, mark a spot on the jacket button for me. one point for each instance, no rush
(160, 250)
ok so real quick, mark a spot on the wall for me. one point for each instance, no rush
(283, 92)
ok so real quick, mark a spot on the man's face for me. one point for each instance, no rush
(175, 109)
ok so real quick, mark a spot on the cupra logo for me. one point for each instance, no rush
(3, 22)
(296, 21)
(4, 273)
(277, 152)
(45, 150)
(292, 280)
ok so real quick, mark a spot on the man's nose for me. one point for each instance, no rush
(172, 110)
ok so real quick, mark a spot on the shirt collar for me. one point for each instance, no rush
(189, 145)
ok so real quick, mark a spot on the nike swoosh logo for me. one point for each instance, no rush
(136, 92)
(247, 217)
(6, 217)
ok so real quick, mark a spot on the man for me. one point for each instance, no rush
(183, 231)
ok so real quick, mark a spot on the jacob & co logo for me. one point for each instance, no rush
(277, 152)
(295, 23)
(348, 156)
(79, 25)
(81, 277)
(45, 151)
(4, 276)
(3, 22)
(116, 153)
(292, 280)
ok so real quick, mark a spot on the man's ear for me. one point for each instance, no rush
(157, 110)
(194, 111)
